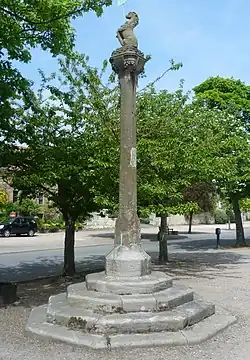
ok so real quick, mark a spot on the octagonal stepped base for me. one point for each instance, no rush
(112, 303)
(202, 331)
(108, 312)
(146, 284)
(77, 317)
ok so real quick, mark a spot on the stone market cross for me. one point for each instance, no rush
(128, 305)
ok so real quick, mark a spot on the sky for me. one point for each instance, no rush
(209, 37)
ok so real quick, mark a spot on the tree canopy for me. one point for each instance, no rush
(225, 93)
(23, 26)
(26, 24)
(233, 97)
(70, 154)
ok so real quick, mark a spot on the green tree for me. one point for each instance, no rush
(226, 210)
(27, 207)
(70, 154)
(226, 94)
(3, 197)
(174, 153)
(232, 96)
(23, 26)
(245, 204)
(203, 194)
(45, 23)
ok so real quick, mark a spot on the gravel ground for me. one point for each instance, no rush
(227, 284)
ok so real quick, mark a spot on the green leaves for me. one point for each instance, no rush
(232, 151)
(225, 93)
(23, 26)
(73, 147)
(43, 22)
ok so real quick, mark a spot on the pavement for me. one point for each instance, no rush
(220, 276)
(23, 258)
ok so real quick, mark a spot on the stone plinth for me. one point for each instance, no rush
(124, 261)
(107, 313)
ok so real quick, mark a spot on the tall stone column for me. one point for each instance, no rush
(128, 63)
(127, 305)
(128, 258)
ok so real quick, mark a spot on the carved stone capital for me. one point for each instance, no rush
(127, 58)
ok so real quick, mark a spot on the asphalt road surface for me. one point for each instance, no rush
(23, 258)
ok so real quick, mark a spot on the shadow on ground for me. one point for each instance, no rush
(144, 236)
(194, 232)
(181, 266)
(196, 261)
(201, 264)
(37, 292)
(47, 268)
(104, 236)
(204, 244)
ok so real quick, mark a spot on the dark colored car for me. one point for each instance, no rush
(18, 226)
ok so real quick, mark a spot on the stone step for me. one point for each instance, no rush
(195, 334)
(156, 281)
(61, 312)
(112, 303)
(196, 310)
(173, 297)
(78, 318)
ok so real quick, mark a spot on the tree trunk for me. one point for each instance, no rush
(190, 222)
(162, 237)
(229, 223)
(240, 237)
(69, 248)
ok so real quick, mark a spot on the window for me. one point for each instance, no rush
(24, 221)
(17, 221)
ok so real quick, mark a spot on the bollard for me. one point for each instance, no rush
(218, 233)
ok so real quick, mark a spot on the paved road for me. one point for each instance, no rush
(23, 258)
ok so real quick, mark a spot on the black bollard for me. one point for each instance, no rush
(218, 233)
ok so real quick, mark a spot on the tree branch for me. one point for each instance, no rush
(28, 21)
(173, 67)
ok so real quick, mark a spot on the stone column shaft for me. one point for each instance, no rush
(127, 225)
(127, 259)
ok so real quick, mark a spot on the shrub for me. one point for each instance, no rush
(55, 226)
(79, 226)
(49, 226)
(221, 217)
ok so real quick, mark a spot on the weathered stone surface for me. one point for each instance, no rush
(193, 335)
(75, 315)
(59, 311)
(111, 303)
(141, 322)
(172, 297)
(140, 302)
(208, 328)
(38, 327)
(147, 340)
(96, 301)
(196, 310)
(128, 261)
(147, 284)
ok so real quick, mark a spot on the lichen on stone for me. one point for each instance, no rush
(77, 323)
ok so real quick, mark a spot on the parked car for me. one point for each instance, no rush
(18, 226)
